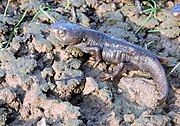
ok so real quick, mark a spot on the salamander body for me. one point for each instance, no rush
(112, 50)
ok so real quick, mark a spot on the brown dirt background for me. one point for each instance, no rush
(45, 83)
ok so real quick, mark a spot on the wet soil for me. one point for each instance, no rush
(43, 82)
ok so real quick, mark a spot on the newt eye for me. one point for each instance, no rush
(62, 32)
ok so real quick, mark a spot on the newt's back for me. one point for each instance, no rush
(117, 50)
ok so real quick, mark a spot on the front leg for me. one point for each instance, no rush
(96, 52)
(112, 75)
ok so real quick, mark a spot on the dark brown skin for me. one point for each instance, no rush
(112, 50)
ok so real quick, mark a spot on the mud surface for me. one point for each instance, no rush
(43, 82)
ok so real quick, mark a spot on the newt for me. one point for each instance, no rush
(112, 50)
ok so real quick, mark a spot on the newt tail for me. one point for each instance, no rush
(156, 71)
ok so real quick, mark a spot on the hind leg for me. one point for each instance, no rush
(112, 75)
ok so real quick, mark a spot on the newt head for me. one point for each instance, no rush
(67, 33)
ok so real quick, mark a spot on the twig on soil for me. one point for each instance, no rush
(5, 11)
(70, 78)
(41, 10)
(173, 69)
(152, 10)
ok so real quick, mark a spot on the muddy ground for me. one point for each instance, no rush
(46, 83)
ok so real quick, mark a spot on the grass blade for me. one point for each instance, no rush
(142, 25)
(47, 15)
(37, 13)
(173, 69)
(5, 11)
(155, 8)
(14, 31)
(21, 19)
(41, 10)
(68, 4)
